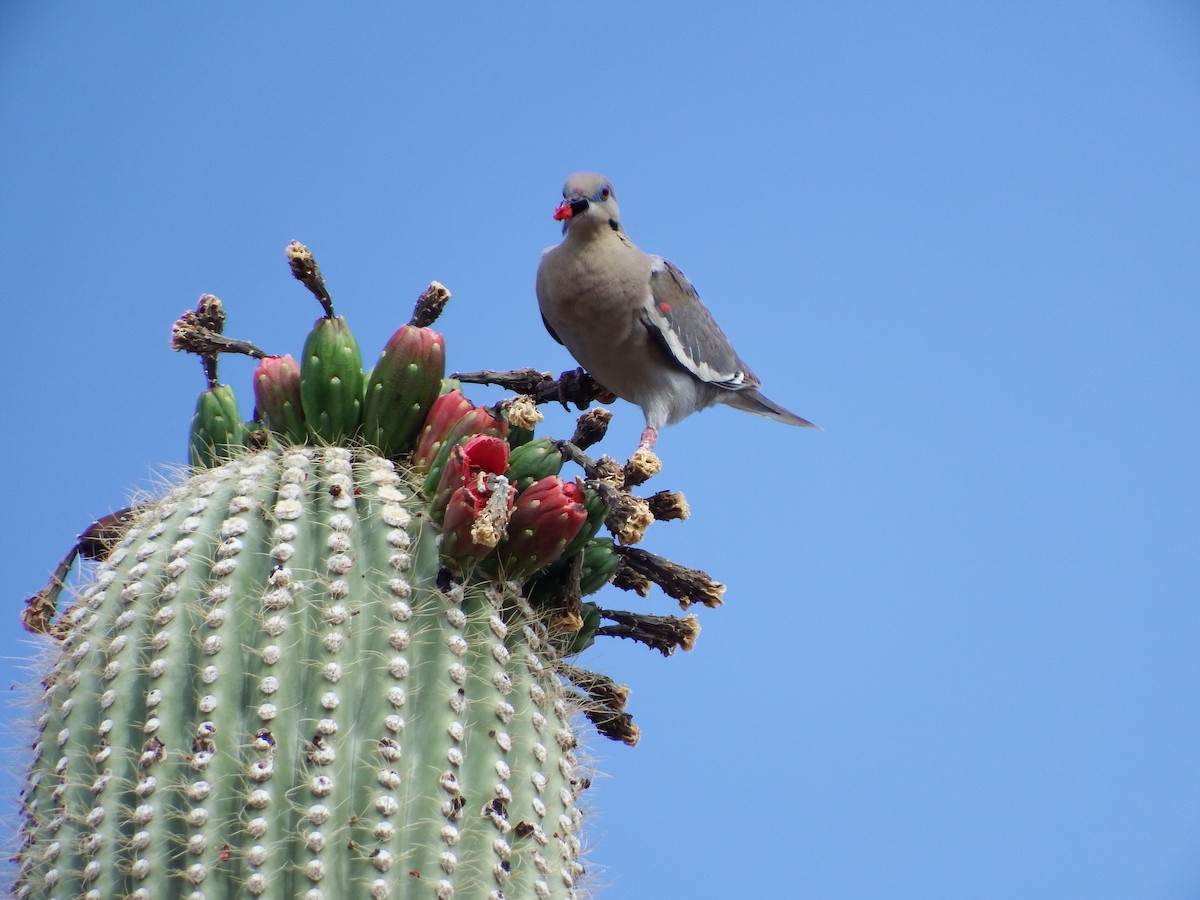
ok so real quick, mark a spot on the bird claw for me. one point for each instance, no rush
(561, 384)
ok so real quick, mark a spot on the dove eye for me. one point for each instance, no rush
(605, 192)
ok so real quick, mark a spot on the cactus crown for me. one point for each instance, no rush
(338, 660)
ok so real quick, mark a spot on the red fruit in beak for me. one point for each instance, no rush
(563, 211)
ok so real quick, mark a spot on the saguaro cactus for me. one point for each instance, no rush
(303, 672)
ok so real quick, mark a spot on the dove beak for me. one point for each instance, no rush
(569, 208)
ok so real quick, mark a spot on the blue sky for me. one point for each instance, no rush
(958, 657)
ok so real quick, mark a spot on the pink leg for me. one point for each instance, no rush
(649, 436)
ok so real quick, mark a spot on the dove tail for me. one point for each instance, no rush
(753, 401)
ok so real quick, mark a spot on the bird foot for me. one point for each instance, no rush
(649, 436)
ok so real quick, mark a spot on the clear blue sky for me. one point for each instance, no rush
(960, 653)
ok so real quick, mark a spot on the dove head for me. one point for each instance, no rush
(589, 202)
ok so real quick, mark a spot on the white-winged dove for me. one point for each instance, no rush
(634, 322)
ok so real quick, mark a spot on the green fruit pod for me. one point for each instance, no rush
(533, 461)
(403, 386)
(331, 381)
(586, 635)
(597, 511)
(518, 436)
(600, 564)
(217, 432)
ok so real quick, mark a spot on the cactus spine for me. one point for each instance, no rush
(282, 682)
